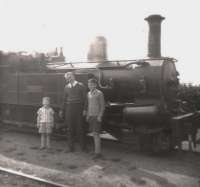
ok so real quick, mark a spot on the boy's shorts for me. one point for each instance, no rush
(94, 124)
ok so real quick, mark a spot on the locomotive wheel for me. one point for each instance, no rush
(161, 142)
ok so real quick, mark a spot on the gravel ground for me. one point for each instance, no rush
(122, 166)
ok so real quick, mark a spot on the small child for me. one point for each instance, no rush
(45, 122)
(94, 110)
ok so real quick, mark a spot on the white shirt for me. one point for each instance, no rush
(70, 85)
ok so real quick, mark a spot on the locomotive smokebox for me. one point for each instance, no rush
(154, 42)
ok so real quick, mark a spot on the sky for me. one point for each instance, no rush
(43, 25)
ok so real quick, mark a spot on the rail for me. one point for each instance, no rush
(33, 178)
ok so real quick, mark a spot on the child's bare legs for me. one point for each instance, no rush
(97, 143)
(42, 145)
(48, 140)
(45, 136)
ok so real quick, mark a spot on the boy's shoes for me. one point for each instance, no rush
(98, 156)
(49, 148)
(41, 148)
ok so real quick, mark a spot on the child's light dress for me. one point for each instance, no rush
(45, 119)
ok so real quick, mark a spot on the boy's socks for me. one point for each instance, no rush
(42, 141)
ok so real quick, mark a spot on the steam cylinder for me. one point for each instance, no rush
(141, 114)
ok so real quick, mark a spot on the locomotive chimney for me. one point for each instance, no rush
(154, 42)
(98, 49)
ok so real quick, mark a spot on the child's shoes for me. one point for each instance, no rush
(98, 156)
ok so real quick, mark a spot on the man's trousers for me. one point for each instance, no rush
(75, 125)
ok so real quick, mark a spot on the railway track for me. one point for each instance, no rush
(16, 178)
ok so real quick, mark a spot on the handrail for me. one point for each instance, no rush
(117, 61)
(100, 75)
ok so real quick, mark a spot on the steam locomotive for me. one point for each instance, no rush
(140, 94)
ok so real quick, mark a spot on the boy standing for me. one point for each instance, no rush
(94, 110)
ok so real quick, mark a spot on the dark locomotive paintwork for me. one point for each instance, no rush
(136, 92)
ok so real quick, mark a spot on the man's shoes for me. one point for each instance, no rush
(98, 156)
(70, 150)
(41, 147)
(85, 149)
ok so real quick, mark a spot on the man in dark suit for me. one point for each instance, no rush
(73, 103)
